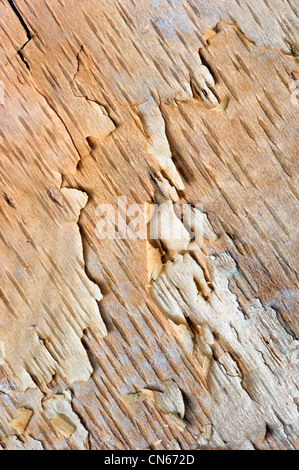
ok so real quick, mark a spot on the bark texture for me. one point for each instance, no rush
(132, 343)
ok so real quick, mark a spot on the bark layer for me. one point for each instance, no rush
(169, 102)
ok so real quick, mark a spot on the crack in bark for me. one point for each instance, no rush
(27, 31)
(21, 19)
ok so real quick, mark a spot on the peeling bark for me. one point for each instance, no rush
(181, 104)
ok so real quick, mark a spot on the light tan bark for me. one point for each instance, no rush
(161, 102)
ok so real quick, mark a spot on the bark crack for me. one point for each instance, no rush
(21, 19)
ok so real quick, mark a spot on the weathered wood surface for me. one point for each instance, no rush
(119, 98)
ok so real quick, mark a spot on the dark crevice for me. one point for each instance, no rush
(21, 55)
(21, 19)
(9, 200)
(27, 31)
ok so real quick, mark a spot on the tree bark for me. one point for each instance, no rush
(187, 112)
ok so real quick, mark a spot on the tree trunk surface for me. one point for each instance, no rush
(149, 224)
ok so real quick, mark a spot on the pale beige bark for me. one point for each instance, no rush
(172, 102)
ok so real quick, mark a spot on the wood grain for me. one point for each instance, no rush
(106, 99)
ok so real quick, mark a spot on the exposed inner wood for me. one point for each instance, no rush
(133, 342)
